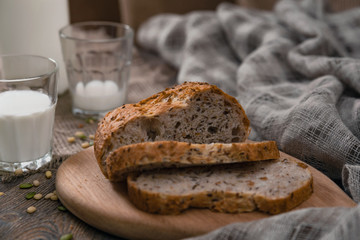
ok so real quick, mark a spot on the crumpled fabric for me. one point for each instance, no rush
(296, 72)
(306, 224)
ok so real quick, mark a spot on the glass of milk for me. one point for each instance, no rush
(97, 58)
(31, 27)
(28, 96)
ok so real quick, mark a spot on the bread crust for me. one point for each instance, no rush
(162, 154)
(228, 201)
(111, 129)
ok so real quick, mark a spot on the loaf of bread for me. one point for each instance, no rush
(184, 147)
(191, 112)
(272, 186)
(165, 154)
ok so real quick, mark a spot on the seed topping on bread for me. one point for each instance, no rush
(272, 186)
(165, 154)
(191, 112)
(185, 147)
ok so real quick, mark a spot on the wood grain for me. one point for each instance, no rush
(86, 193)
(47, 222)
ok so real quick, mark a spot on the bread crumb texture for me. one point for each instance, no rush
(272, 186)
(190, 112)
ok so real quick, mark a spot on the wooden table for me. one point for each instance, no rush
(47, 222)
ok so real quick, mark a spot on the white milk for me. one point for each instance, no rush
(31, 27)
(26, 123)
(98, 96)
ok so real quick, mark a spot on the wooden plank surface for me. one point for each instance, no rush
(47, 222)
(84, 190)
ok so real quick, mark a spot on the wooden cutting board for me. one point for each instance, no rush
(84, 190)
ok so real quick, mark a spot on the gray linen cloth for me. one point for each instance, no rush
(296, 71)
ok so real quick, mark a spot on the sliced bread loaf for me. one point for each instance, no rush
(165, 154)
(191, 112)
(272, 186)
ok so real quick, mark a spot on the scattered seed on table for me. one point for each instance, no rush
(62, 208)
(36, 183)
(49, 195)
(54, 197)
(54, 192)
(31, 209)
(18, 172)
(85, 145)
(91, 136)
(71, 139)
(68, 236)
(2, 193)
(90, 120)
(80, 135)
(30, 195)
(25, 185)
(37, 196)
(48, 174)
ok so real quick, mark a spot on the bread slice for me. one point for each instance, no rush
(165, 154)
(272, 186)
(191, 112)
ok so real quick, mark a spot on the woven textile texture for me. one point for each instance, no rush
(296, 71)
(306, 224)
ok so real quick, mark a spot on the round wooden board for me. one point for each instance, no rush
(84, 190)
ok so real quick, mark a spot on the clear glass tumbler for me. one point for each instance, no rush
(97, 57)
(28, 96)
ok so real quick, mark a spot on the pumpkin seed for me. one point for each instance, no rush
(90, 120)
(62, 208)
(30, 195)
(68, 236)
(25, 185)
(80, 135)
